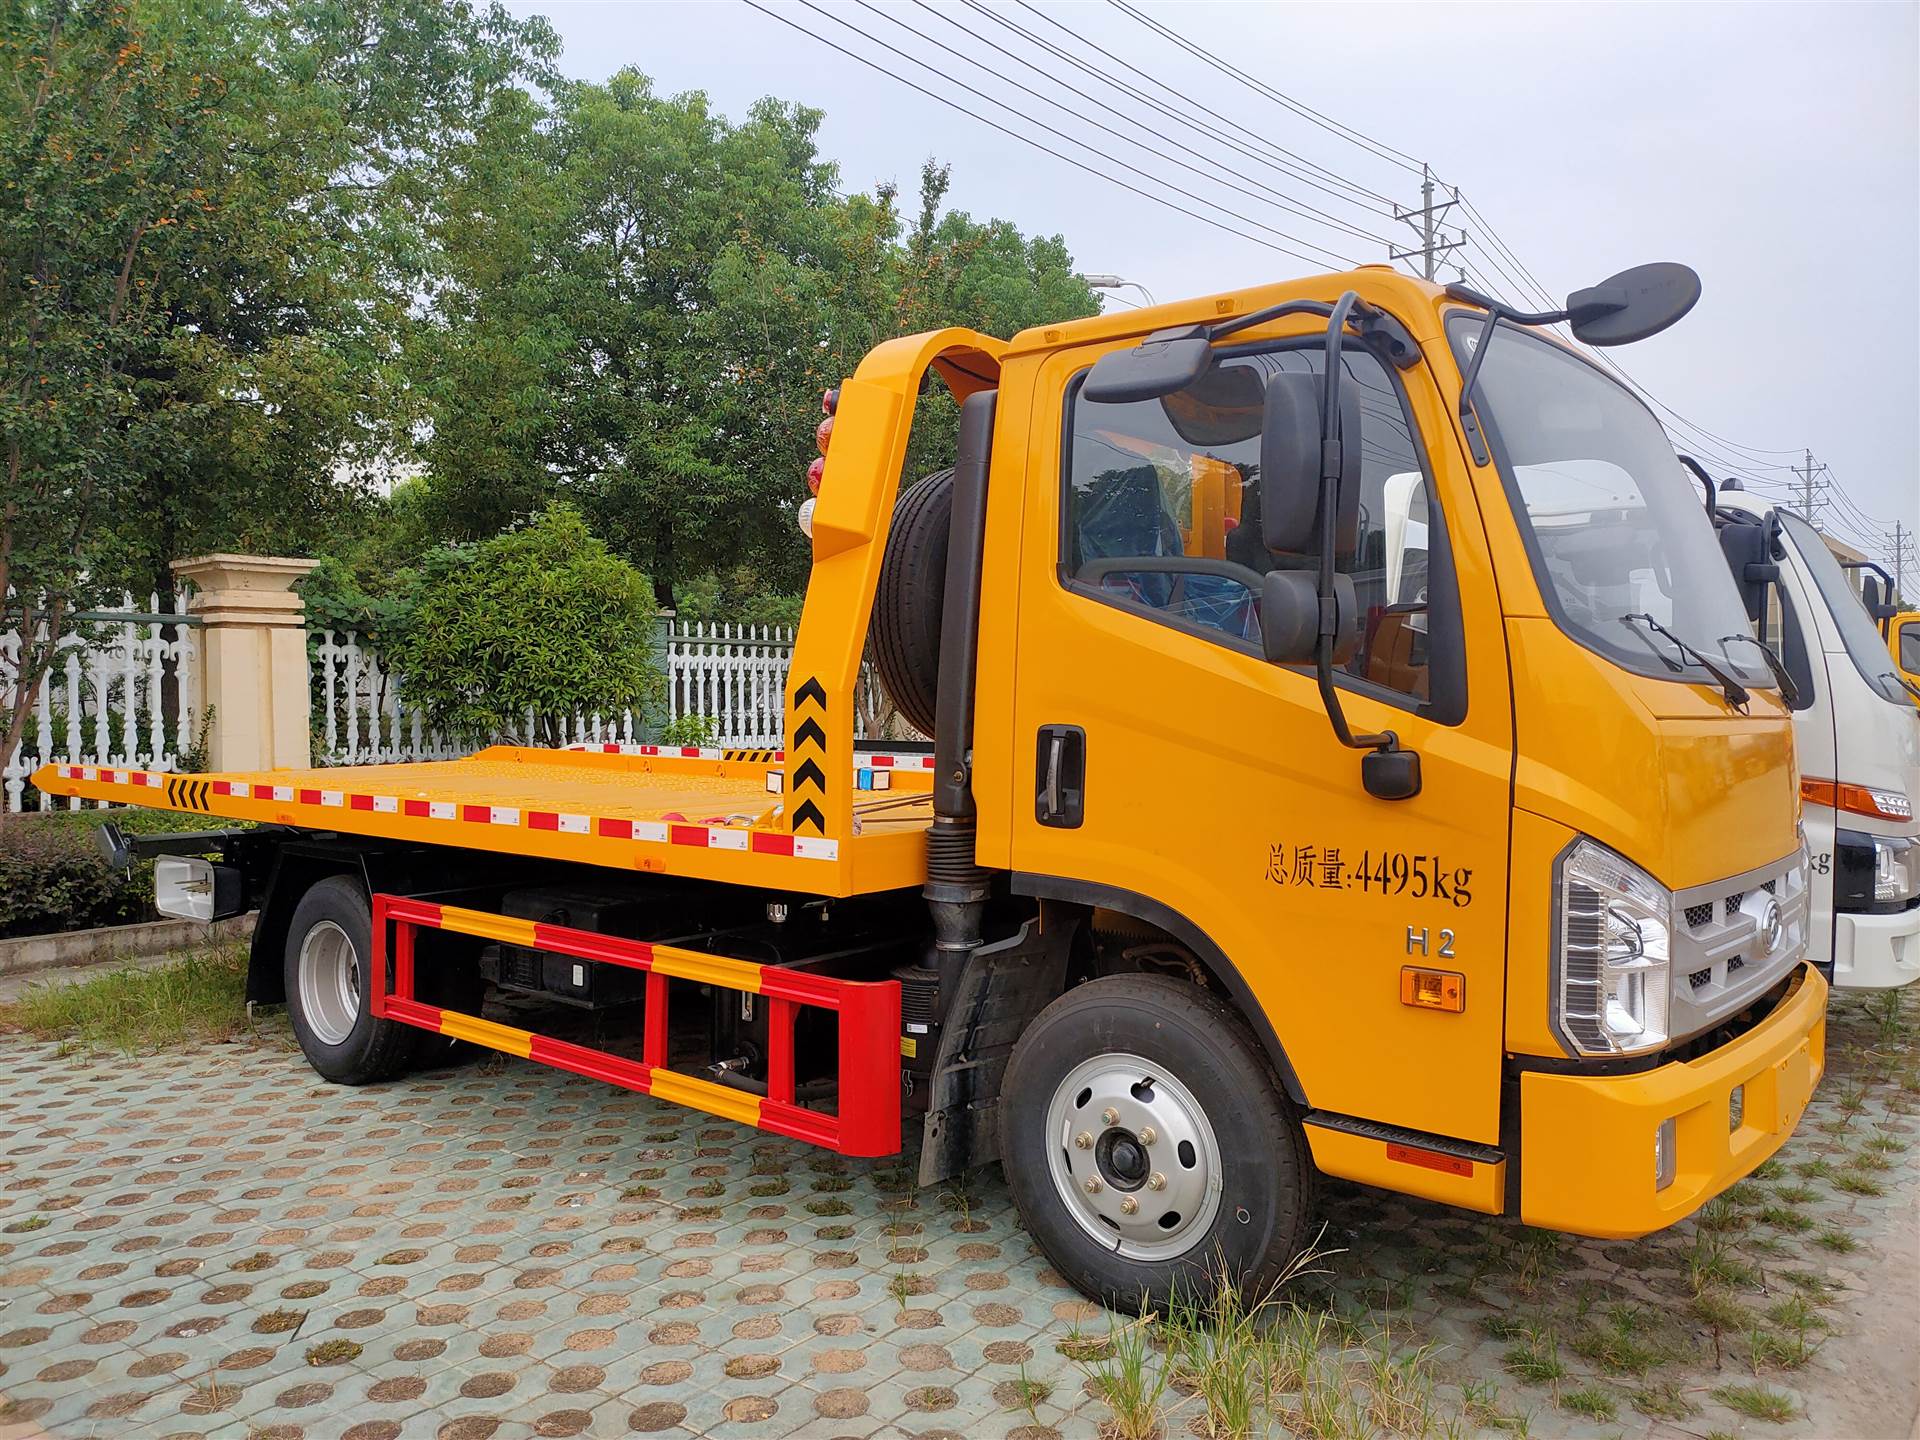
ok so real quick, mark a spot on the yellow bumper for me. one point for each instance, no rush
(1587, 1142)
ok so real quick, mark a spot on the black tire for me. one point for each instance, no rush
(1266, 1181)
(365, 1050)
(907, 604)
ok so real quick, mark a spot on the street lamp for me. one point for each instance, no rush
(1115, 282)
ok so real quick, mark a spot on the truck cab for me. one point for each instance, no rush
(1903, 643)
(1857, 735)
(1339, 768)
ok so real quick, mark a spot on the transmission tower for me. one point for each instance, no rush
(1434, 242)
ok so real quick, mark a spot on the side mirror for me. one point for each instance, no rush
(1391, 774)
(1290, 618)
(1744, 543)
(1166, 361)
(1290, 466)
(1875, 596)
(1634, 304)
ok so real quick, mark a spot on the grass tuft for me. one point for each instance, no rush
(1757, 1402)
(199, 998)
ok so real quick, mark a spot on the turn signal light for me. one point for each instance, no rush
(814, 472)
(1857, 799)
(1433, 989)
(823, 434)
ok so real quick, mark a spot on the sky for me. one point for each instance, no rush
(1775, 148)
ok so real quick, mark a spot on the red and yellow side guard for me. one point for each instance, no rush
(868, 1120)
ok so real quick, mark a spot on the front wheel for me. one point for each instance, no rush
(1148, 1146)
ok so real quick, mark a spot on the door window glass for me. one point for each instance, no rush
(1163, 510)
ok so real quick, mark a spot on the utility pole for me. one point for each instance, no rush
(1426, 224)
(1809, 475)
(1902, 541)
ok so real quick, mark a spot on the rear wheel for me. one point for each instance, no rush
(1148, 1145)
(329, 980)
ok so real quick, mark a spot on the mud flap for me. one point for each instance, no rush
(1004, 986)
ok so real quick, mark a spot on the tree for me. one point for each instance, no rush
(96, 138)
(210, 249)
(644, 303)
(541, 621)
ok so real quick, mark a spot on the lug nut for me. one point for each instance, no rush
(1093, 1185)
(1148, 1134)
(1156, 1181)
(1128, 1205)
(1109, 1116)
(1083, 1140)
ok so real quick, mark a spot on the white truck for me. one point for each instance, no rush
(1856, 733)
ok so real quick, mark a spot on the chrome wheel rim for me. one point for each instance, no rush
(1134, 1157)
(329, 983)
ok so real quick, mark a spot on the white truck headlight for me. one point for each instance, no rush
(1896, 870)
(1613, 953)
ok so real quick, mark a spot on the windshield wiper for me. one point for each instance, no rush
(1735, 693)
(1789, 691)
(1899, 679)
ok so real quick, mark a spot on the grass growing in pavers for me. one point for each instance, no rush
(198, 999)
(511, 1244)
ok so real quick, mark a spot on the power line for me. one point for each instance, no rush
(1426, 224)
(952, 104)
(1260, 87)
(1336, 256)
(1296, 165)
(1278, 198)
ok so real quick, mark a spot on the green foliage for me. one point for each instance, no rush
(738, 596)
(199, 997)
(645, 302)
(701, 730)
(211, 252)
(542, 620)
(52, 878)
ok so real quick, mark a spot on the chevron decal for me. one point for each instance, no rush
(808, 791)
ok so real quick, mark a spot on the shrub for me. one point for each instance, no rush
(52, 878)
(543, 620)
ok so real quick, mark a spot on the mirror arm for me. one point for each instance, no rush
(1700, 474)
(1332, 464)
(1496, 312)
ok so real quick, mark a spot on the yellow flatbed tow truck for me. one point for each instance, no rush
(1338, 768)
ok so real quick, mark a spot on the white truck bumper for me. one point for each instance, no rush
(1876, 952)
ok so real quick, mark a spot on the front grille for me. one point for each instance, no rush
(1719, 965)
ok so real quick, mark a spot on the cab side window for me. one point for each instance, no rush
(1162, 511)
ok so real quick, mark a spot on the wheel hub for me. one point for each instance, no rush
(329, 982)
(1134, 1157)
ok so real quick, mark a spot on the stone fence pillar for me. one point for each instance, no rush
(253, 659)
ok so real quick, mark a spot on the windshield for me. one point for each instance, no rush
(1614, 526)
(1858, 632)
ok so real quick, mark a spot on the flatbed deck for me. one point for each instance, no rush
(707, 814)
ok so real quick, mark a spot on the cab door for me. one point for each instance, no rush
(1162, 763)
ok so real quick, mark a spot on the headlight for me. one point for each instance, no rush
(1874, 870)
(1613, 953)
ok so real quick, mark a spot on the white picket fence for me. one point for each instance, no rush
(120, 693)
(735, 675)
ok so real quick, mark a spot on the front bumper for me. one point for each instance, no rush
(1876, 952)
(1587, 1142)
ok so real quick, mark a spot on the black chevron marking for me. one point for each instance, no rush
(203, 789)
(173, 796)
(811, 686)
(808, 813)
(810, 774)
(809, 731)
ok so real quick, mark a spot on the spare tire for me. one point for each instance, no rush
(907, 604)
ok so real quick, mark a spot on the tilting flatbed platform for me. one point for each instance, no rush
(707, 814)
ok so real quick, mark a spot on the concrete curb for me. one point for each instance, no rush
(29, 953)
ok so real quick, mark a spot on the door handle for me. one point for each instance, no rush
(1060, 771)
